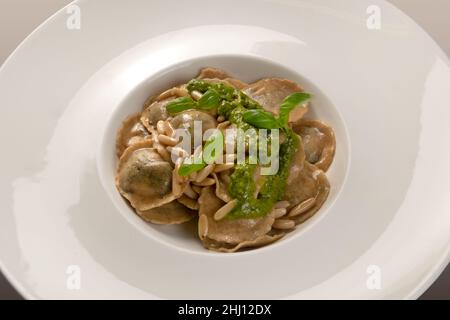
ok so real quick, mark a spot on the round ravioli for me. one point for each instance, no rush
(131, 131)
(309, 183)
(144, 178)
(319, 142)
(229, 248)
(228, 231)
(214, 74)
(171, 213)
(221, 187)
(186, 121)
(156, 111)
(271, 92)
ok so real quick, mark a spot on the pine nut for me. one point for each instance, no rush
(302, 207)
(282, 204)
(226, 209)
(202, 226)
(190, 193)
(196, 95)
(168, 141)
(204, 173)
(278, 213)
(168, 129)
(205, 183)
(283, 224)
(160, 127)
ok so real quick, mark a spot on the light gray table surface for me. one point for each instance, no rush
(19, 17)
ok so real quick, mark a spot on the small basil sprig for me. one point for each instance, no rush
(262, 119)
(290, 103)
(188, 168)
(210, 100)
(180, 104)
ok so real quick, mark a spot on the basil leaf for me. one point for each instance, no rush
(210, 156)
(210, 100)
(180, 104)
(261, 119)
(290, 103)
(187, 169)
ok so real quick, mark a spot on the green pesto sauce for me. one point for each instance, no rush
(243, 186)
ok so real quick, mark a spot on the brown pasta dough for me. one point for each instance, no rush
(319, 142)
(160, 186)
(144, 178)
(131, 131)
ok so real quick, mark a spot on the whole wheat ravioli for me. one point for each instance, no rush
(153, 184)
(156, 108)
(144, 178)
(131, 132)
(270, 93)
(170, 213)
(319, 142)
(314, 184)
(229, 231)
(210, 73)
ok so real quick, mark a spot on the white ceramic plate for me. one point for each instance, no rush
(386, 92)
